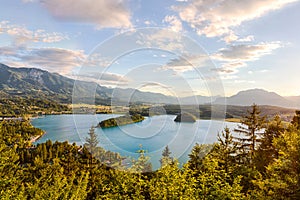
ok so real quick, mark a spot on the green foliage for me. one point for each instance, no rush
(63, 171)
(267, 152)
(166, 158)
(18, 132)
(250, 126)
(141, 165)
(282, 179)
(122, 120)
(20, 106)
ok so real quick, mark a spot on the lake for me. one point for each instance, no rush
(154, 134)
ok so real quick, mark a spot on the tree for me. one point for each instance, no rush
(248, 142)
(267, 152)
(282, 179)
(296, 119)
(196, 156)
(166, 158)
(226, 150)
(91, 145)
(141, 165)
(91, 140)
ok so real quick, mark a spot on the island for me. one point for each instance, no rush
(120, 121)
(185, 117)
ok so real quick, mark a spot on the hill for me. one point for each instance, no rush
(37, 83)
(259, 97)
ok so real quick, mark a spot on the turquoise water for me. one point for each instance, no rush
(154, 133)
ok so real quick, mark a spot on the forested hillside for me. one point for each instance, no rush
(245, 167)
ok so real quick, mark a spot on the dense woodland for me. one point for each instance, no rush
(20, 106)
(259, 161)
(120, 121)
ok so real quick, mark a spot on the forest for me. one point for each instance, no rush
(120, 121)
(258, 160)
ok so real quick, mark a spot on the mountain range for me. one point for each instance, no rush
(52, 86)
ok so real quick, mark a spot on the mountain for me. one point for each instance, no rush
(37, 83)
(43, 84)
(257, 96)
(52, 86)
(295, 100)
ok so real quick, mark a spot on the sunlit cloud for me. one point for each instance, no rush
(245, 52)
(100, 13)
(52, 59)
(219, 18)
(185, 63)
(22, 35)
(237, 56)
(173, 23)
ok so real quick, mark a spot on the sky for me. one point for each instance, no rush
(180, 47)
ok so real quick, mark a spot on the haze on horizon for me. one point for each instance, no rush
(243, 44)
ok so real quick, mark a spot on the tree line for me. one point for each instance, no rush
(258, 160)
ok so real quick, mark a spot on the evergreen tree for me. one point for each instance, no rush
(267, 152)
(91, 141)
(141, 165)
(226, 150)
(249, 138)
(166, 158)
(282, 179)
(196, 156)
(296, 119)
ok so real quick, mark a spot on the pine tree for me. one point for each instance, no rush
(91, 144)
(91, 141)
(249, 136)
(226, 150)
(282, 179)
(267, 152)
(196, 156)
(296, 119)
(166, 158)
(141, 165)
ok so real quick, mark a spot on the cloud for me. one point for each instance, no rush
(215, 18)
(246, 52)
(185, 63)
(97, 60)
(163, 39)
(51, 59)
(102, 78)
(174, 23)
(101, 13)
(22, 35)
(237, 56)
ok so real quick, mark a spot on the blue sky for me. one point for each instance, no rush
(182, 48)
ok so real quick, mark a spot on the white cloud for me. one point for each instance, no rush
(147, 22)
(22, 35)
(246, 52)
(51, 59)
(237, 56)
(185, 63)
(97, 60)
(101, 13)
(174, 23)
(215, 18)
(161, 38)
(107, 79)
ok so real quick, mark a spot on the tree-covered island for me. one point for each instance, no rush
(120, 121)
